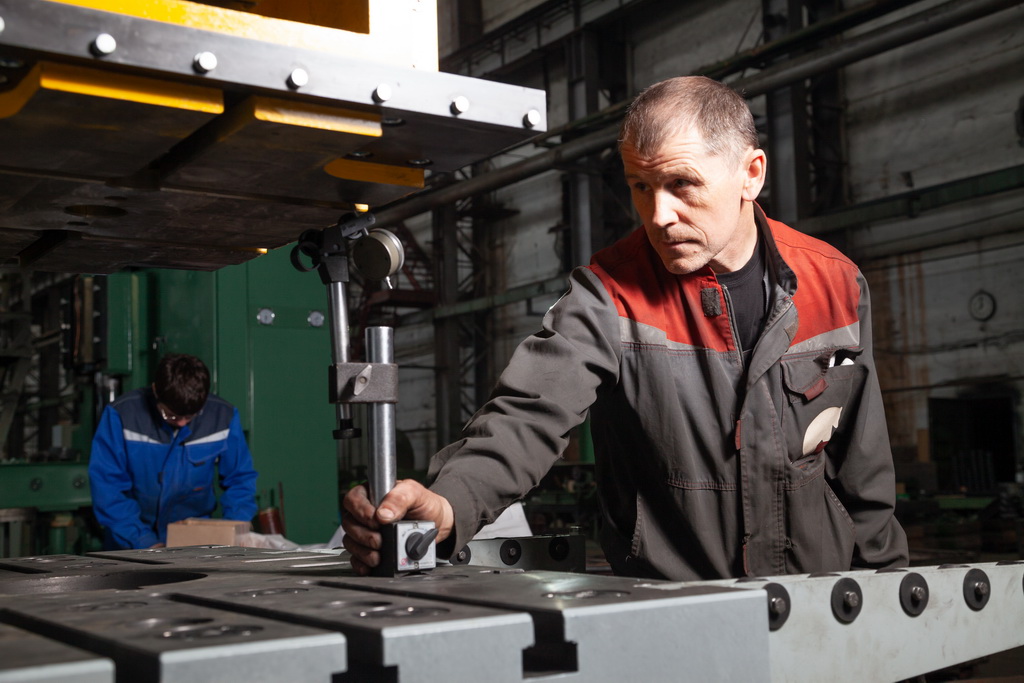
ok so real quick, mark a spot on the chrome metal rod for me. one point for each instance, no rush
(383, 459)
(338, 311)
(339, 322)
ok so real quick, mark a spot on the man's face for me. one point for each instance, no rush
(695, 207)
(173, 419)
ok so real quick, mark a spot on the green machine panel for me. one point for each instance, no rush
(48, 487)
(261, 328)
(292, 421)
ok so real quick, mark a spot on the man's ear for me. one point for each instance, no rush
(755, 167)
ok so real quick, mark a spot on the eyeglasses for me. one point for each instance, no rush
(171, 417)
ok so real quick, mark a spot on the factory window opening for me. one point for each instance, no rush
(973, 444)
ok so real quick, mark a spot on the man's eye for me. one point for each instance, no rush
(640, 187)
(680, 183)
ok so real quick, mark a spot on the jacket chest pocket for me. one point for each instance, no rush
(200, 461)
(818, 391)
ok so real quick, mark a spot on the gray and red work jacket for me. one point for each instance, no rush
(705, 468)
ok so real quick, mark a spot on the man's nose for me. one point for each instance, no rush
(664, 209)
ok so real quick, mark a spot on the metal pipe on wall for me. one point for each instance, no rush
(921, 25)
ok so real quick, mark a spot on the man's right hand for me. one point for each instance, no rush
(408, 499)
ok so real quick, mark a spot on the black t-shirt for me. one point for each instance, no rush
(746, 291)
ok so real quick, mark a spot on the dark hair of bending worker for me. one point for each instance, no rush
(725, 360)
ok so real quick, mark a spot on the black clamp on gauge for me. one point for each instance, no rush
(406, 546)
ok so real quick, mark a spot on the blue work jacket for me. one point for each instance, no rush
(145, 473)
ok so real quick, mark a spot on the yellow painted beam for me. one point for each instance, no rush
(14, 99)
(86, 81)
(362, 171)
(316, 116)
(401, 32)
(97, 83)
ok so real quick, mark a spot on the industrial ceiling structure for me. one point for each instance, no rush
(133, 141)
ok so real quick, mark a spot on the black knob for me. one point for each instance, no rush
(417, 544)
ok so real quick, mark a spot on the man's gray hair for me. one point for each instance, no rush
(663, 109)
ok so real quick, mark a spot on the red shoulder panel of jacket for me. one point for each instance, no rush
(644, 291)
(827, 294)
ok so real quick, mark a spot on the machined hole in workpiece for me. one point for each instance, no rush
(357, 604)
(111, 606)
(435, 577)
(585, 595)
(165, 623)
(262, 592)
(209, 632)
(403, 612)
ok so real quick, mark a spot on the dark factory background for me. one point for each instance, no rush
(894, 131)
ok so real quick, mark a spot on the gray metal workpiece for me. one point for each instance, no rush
(891, 625)
(44, 574)
(225, 613)
(151, 638)
(574, 618)
(420, 640)
(560, 553)
(230, 559)
(552, 625)
(26, 656)
(224, 553)
(49, 564)
(605, 628)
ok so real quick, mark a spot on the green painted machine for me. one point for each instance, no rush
(261, 328)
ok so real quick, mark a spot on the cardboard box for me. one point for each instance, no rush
(198, 531)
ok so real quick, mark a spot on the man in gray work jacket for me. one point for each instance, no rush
(725, 360)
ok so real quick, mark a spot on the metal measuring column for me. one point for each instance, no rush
(377, 254)
(383, 460)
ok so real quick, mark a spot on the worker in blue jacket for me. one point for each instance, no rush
(155, 454)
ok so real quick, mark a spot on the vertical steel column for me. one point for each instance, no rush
(383, 460)
(469, 21)
(827, 126)
(338, 311)
(788, 133)
(584, 187)
(447, 375)
(339, 322)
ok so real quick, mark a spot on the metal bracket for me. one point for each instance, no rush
(363, 383)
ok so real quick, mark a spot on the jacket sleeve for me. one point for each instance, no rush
(111, 486)
(543, 393)
(237, 476)
(865, 479)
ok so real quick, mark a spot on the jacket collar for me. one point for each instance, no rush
(780, 272)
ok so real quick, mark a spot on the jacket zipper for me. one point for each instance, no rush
(732, 324)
